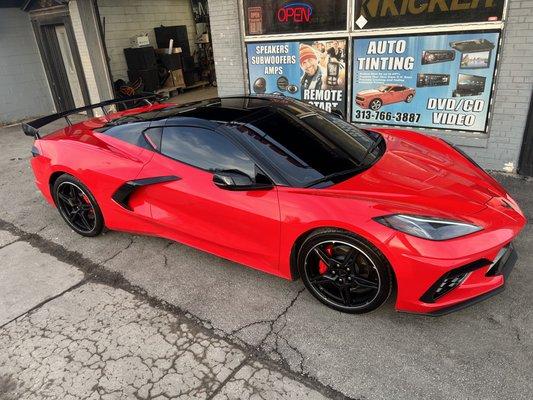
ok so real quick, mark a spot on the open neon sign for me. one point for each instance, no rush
(295, 12)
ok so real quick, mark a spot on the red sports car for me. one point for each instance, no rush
(288, 189)
(385, 94)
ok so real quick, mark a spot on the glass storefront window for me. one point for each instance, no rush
(264, 17)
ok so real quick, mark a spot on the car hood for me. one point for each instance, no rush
(418, 173)
(368, 91)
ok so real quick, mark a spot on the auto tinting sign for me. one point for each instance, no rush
(441, 81)
(371, 14)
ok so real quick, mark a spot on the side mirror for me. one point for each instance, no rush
(237, 180)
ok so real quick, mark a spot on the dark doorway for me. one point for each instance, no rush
(59, 52)
(525, 165)
(56, 68)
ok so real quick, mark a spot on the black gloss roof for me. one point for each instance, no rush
(226, 108)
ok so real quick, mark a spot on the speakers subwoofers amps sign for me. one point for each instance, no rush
(371, 14)
(313, 71)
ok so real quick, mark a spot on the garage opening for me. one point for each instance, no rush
(162, 47)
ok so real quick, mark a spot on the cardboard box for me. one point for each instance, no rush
(175, 79)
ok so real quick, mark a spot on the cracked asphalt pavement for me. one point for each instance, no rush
(125, 316)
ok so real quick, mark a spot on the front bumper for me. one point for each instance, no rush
(474, 266)
(452, 289)
(501, 266)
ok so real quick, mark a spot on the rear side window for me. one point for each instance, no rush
(153, 136)
(205, 149)
(127, 132)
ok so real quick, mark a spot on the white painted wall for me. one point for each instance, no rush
(83, 50)
(127, 18)
(227, 41)
(24, 91)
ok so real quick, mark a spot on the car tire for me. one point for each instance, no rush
(375, 104)
(77, 206)
(409, 98)
(359, 286)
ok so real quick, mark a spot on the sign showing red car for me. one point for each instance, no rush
(385, 94)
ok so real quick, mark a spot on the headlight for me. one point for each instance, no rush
(427, 227)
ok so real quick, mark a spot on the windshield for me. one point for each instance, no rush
(307, 147)
(383, 88)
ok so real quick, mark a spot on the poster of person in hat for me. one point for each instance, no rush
(312, 77)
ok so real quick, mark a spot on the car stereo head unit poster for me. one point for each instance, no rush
(372, 14)
(441, 81)
(313, 71)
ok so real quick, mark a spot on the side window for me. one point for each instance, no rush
(153, 137)
(205, 149)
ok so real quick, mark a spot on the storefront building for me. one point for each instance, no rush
(458, 69)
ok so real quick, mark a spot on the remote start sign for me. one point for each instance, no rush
(441, 81)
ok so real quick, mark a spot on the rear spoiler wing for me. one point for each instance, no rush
(32, 128)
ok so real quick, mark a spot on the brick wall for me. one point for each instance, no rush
(24, 91)
(227, 41)
(513, 91)
(127, 18)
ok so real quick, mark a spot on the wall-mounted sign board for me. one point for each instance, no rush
(313, 71)
(373, 14)
(441, 81)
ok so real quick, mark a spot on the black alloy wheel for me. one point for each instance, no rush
(409, 98)
(77, 206)
(344, 271)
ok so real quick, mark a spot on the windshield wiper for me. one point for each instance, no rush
(347, 172)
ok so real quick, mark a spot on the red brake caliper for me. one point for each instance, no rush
(86, 200)
(322, 267)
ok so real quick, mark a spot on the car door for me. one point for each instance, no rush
(395, 94)
(388, 95)
(241, 225)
